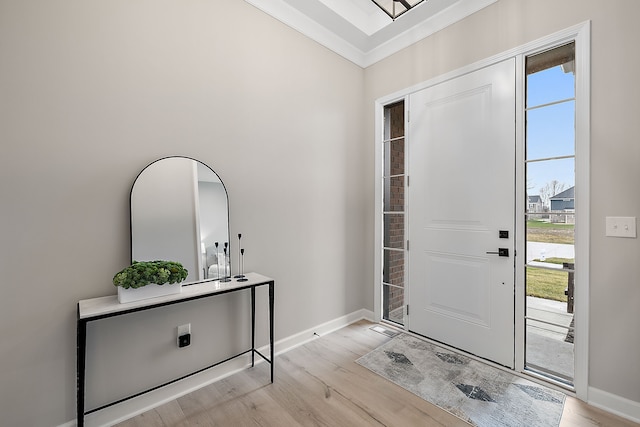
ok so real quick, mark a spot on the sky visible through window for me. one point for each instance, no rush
(550, 129)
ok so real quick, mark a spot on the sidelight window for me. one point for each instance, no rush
(550, 215)
(393, 256)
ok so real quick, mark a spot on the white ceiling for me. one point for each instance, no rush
(360, 31)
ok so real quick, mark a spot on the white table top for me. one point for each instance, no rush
(108, 305)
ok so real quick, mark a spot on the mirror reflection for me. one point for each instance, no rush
(179, 210)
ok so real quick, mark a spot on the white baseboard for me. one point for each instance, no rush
(289, 343)
(130, 408)
(615, 404)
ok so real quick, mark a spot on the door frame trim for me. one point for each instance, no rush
(581, 34)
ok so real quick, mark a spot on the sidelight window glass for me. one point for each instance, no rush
(393, 221)
(550, 213)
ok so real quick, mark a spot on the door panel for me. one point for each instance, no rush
(461, 194)
(459, 300)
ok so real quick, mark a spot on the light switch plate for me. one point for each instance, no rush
(621, 226)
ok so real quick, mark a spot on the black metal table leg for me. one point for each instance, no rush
(273, 362)
(253, 324)
(81, 349)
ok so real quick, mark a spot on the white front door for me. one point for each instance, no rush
(461, 196)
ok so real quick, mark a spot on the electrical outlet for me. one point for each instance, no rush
(184, 340)
(621, 226)
(184, 335)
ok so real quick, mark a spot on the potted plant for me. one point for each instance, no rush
(149, 279)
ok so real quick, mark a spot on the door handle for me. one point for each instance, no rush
(501, 252)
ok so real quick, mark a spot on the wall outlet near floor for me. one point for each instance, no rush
(621, 226)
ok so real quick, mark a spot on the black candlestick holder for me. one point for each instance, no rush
(217, 263)
(241, 276)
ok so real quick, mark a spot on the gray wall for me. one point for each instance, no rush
(92, 92)
(615, 152)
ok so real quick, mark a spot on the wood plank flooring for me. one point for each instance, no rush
(319, 384)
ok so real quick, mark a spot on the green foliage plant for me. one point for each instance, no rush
(142, 273)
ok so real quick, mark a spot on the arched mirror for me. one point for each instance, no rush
(179, 210)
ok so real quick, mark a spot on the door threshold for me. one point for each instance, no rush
(544, 377)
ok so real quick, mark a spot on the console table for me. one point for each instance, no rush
(100, 308)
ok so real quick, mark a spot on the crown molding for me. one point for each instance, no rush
(338, 34)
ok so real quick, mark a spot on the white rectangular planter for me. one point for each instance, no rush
(150, 291)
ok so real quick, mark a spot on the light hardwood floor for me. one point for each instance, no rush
(319, 384)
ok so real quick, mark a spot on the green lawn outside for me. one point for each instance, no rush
(544, 283)
(548, 284)
(536, 223)
(547, 232)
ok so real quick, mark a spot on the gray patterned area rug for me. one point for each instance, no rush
(478, 393)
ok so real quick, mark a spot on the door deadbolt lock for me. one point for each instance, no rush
(501, 252)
